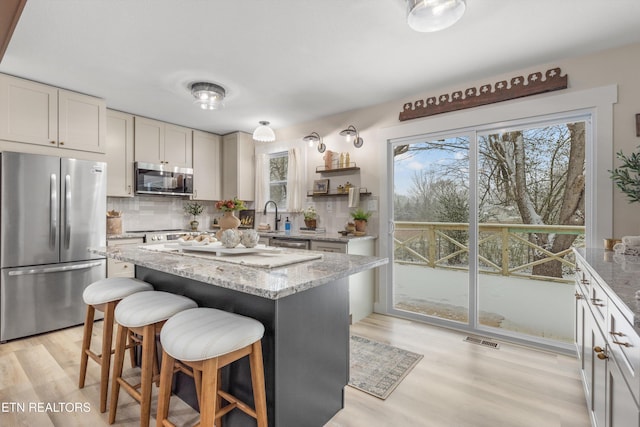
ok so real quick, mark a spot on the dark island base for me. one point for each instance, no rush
(305, 349)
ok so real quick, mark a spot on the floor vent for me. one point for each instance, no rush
(482, 341)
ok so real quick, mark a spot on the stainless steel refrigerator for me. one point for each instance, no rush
(52, 210)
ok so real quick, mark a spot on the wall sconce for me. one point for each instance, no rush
(314, 137)
(350, 132)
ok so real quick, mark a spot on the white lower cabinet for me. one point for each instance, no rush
(361, 285)
(117, 268)
(609, 353)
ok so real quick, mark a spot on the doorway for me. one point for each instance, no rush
(484, 223)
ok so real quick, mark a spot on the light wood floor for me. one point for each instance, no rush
(456, 384)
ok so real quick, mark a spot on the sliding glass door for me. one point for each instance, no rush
(431, 219)
(531, 197)
(484, 224)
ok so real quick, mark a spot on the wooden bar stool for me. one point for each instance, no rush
(103, 296)
(142, 313)
(206, 340)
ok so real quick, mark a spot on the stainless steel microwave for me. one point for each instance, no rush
(163, 180)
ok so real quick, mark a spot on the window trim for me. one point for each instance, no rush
(597, 101)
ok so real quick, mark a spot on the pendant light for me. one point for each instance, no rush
(264, 133)
(427, 16)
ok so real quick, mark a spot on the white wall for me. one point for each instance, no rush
(611, 67)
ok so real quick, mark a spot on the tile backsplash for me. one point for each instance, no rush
(142, 213)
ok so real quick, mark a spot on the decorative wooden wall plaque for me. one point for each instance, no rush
(519, 87)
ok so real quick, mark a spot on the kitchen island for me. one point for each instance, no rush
(304, 307)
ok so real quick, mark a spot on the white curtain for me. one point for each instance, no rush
(294, 181)
(262, 180)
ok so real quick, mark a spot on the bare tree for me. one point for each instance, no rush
(546, 187)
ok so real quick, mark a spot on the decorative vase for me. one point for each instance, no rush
(249, 238)
(228, 221)
(230, 238)
(194, 225)
(310, 223)
(361, 225)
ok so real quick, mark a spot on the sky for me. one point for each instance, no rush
(408, 164)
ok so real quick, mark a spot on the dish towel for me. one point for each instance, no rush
(630, 246)
(631, 240)
(354, 197)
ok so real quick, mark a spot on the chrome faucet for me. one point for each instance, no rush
(277, 220)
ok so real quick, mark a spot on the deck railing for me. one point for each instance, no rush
(504, 249)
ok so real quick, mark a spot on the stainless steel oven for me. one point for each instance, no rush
(163, 180)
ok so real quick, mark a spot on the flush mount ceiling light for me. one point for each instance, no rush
(264, 133)
(314, 137)
(427, 16)
(209, 96)
(352, 135)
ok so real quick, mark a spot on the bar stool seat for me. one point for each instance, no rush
(104, 295)
(206, 340)
(143, 313)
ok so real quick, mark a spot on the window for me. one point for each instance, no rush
(278, 168)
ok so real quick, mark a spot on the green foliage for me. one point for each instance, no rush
(194, 208)
(627, 176)
(234, 204)
(310, 213)
(360, 214)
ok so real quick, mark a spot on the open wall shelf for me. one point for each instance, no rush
(351, 168)
(363, 192)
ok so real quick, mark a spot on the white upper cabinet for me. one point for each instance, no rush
(207, 173)
(149, 141)
(178, 145)
(35, 113)
(82, 122)
(238, 166)
(28, 111)
(162, 143)
(119, 154)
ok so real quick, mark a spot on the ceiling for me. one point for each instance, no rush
(292, 61)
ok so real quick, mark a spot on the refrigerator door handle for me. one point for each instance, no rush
(54, 269)
(67, 209)
(53, 210)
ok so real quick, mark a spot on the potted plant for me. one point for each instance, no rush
(310, 217)
(194, 209)
(360, 219)
(627, 176)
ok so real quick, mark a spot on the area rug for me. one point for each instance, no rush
(378, 368)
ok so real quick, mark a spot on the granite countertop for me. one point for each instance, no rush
(127, 235)
(621, 277)
(272, 283)
(324, 237)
